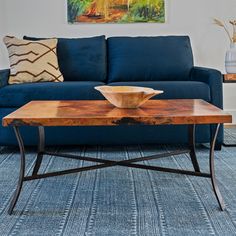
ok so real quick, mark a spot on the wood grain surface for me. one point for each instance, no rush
(230, 78)
(102, 113)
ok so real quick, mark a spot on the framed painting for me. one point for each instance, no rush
(116, 11)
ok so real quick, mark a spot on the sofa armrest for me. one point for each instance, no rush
(4, 76)
(214, 79)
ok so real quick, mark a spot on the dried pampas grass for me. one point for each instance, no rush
(221, 24)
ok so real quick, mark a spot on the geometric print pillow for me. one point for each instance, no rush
(33, 61)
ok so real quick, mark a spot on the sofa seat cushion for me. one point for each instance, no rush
(174, 90)
(82, 59)
(18, 95)
(165, 58)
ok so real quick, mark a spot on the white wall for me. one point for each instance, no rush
(45, 18)
(3, 53)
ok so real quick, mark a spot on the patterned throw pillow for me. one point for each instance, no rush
(32, 61)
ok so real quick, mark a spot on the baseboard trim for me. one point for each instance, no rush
(230, 125)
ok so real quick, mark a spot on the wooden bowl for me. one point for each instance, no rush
(127, 96)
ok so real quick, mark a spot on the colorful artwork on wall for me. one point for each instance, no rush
(116, 11)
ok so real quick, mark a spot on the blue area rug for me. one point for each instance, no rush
(230, 136)
(117, 200)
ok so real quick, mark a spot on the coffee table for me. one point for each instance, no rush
(100, 113)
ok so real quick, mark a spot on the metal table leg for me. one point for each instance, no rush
(22, 170)
(192, 148)
(41, 149)
(38, 162)
(212, 170)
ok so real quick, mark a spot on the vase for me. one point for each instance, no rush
(230, 59)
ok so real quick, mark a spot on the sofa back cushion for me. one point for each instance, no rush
(164, 58)
(82, 59)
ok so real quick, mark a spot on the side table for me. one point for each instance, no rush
(229, 78)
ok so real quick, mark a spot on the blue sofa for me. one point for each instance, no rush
(164, 63)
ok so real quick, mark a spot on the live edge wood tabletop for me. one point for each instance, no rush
(102, 113)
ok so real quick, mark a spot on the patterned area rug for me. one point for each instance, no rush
(116, 200)
(230, 136)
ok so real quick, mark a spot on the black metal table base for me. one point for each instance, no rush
(103, 163)
(229, 145)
